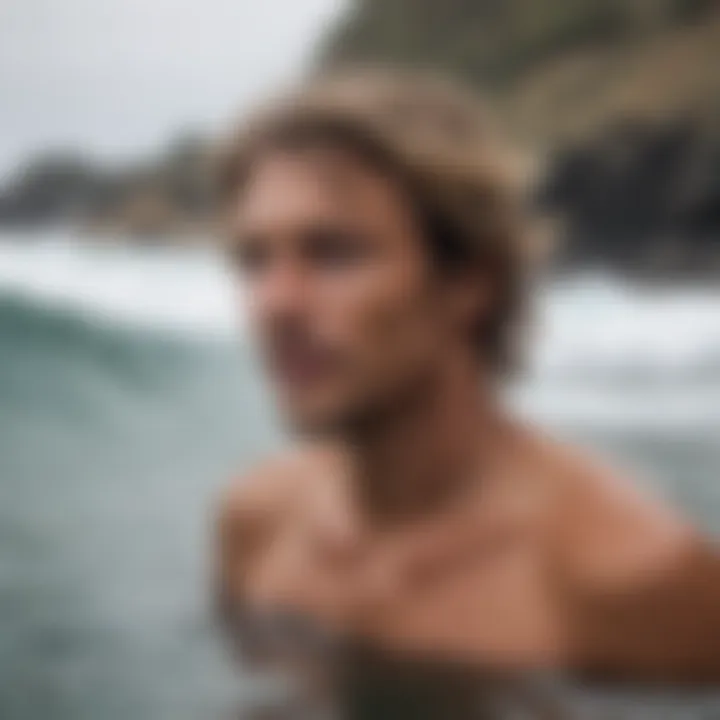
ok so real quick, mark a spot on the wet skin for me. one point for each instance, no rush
(416, 519)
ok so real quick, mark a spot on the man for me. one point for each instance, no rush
(382, 248)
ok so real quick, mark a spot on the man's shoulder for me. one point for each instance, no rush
(608, 532)
(262, 498)
(260, 490)
(638, 585)
(251, 512)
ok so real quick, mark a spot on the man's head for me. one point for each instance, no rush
(378, 241)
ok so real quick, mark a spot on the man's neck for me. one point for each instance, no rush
(417, 460)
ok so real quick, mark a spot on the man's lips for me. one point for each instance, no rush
(300, 364)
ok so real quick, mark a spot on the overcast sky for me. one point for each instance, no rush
(118, 78)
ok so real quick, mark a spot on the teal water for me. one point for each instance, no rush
(112, 446)
(116, 435)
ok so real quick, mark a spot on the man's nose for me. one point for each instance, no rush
(284, 291)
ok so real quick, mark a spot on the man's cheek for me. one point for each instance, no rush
(390, 324)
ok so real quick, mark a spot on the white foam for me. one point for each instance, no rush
(597, 325)
(589, 327)
(176, 289)
(662, 408)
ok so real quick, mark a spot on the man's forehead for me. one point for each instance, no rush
(313, 177)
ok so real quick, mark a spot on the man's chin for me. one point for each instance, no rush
(320, 422)
(355, 417)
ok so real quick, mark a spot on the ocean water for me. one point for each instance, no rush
(129, 395)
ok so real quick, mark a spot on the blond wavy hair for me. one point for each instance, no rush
(435, 137)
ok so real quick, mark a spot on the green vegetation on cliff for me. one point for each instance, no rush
(553, 66)
(622, 97)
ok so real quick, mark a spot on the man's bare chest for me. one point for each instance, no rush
(489, 605)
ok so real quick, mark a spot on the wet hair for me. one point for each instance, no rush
(435, 138)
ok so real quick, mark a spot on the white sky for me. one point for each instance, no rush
(119, 78)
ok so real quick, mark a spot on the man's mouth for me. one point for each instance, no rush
(300, 363)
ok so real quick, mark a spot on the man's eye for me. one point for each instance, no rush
(336, 248)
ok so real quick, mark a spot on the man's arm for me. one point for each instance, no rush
(641, 587)
(249, 514)
(663, 627)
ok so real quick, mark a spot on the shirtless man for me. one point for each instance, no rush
(381, 245)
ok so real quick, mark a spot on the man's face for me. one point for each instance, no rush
(348, 311)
